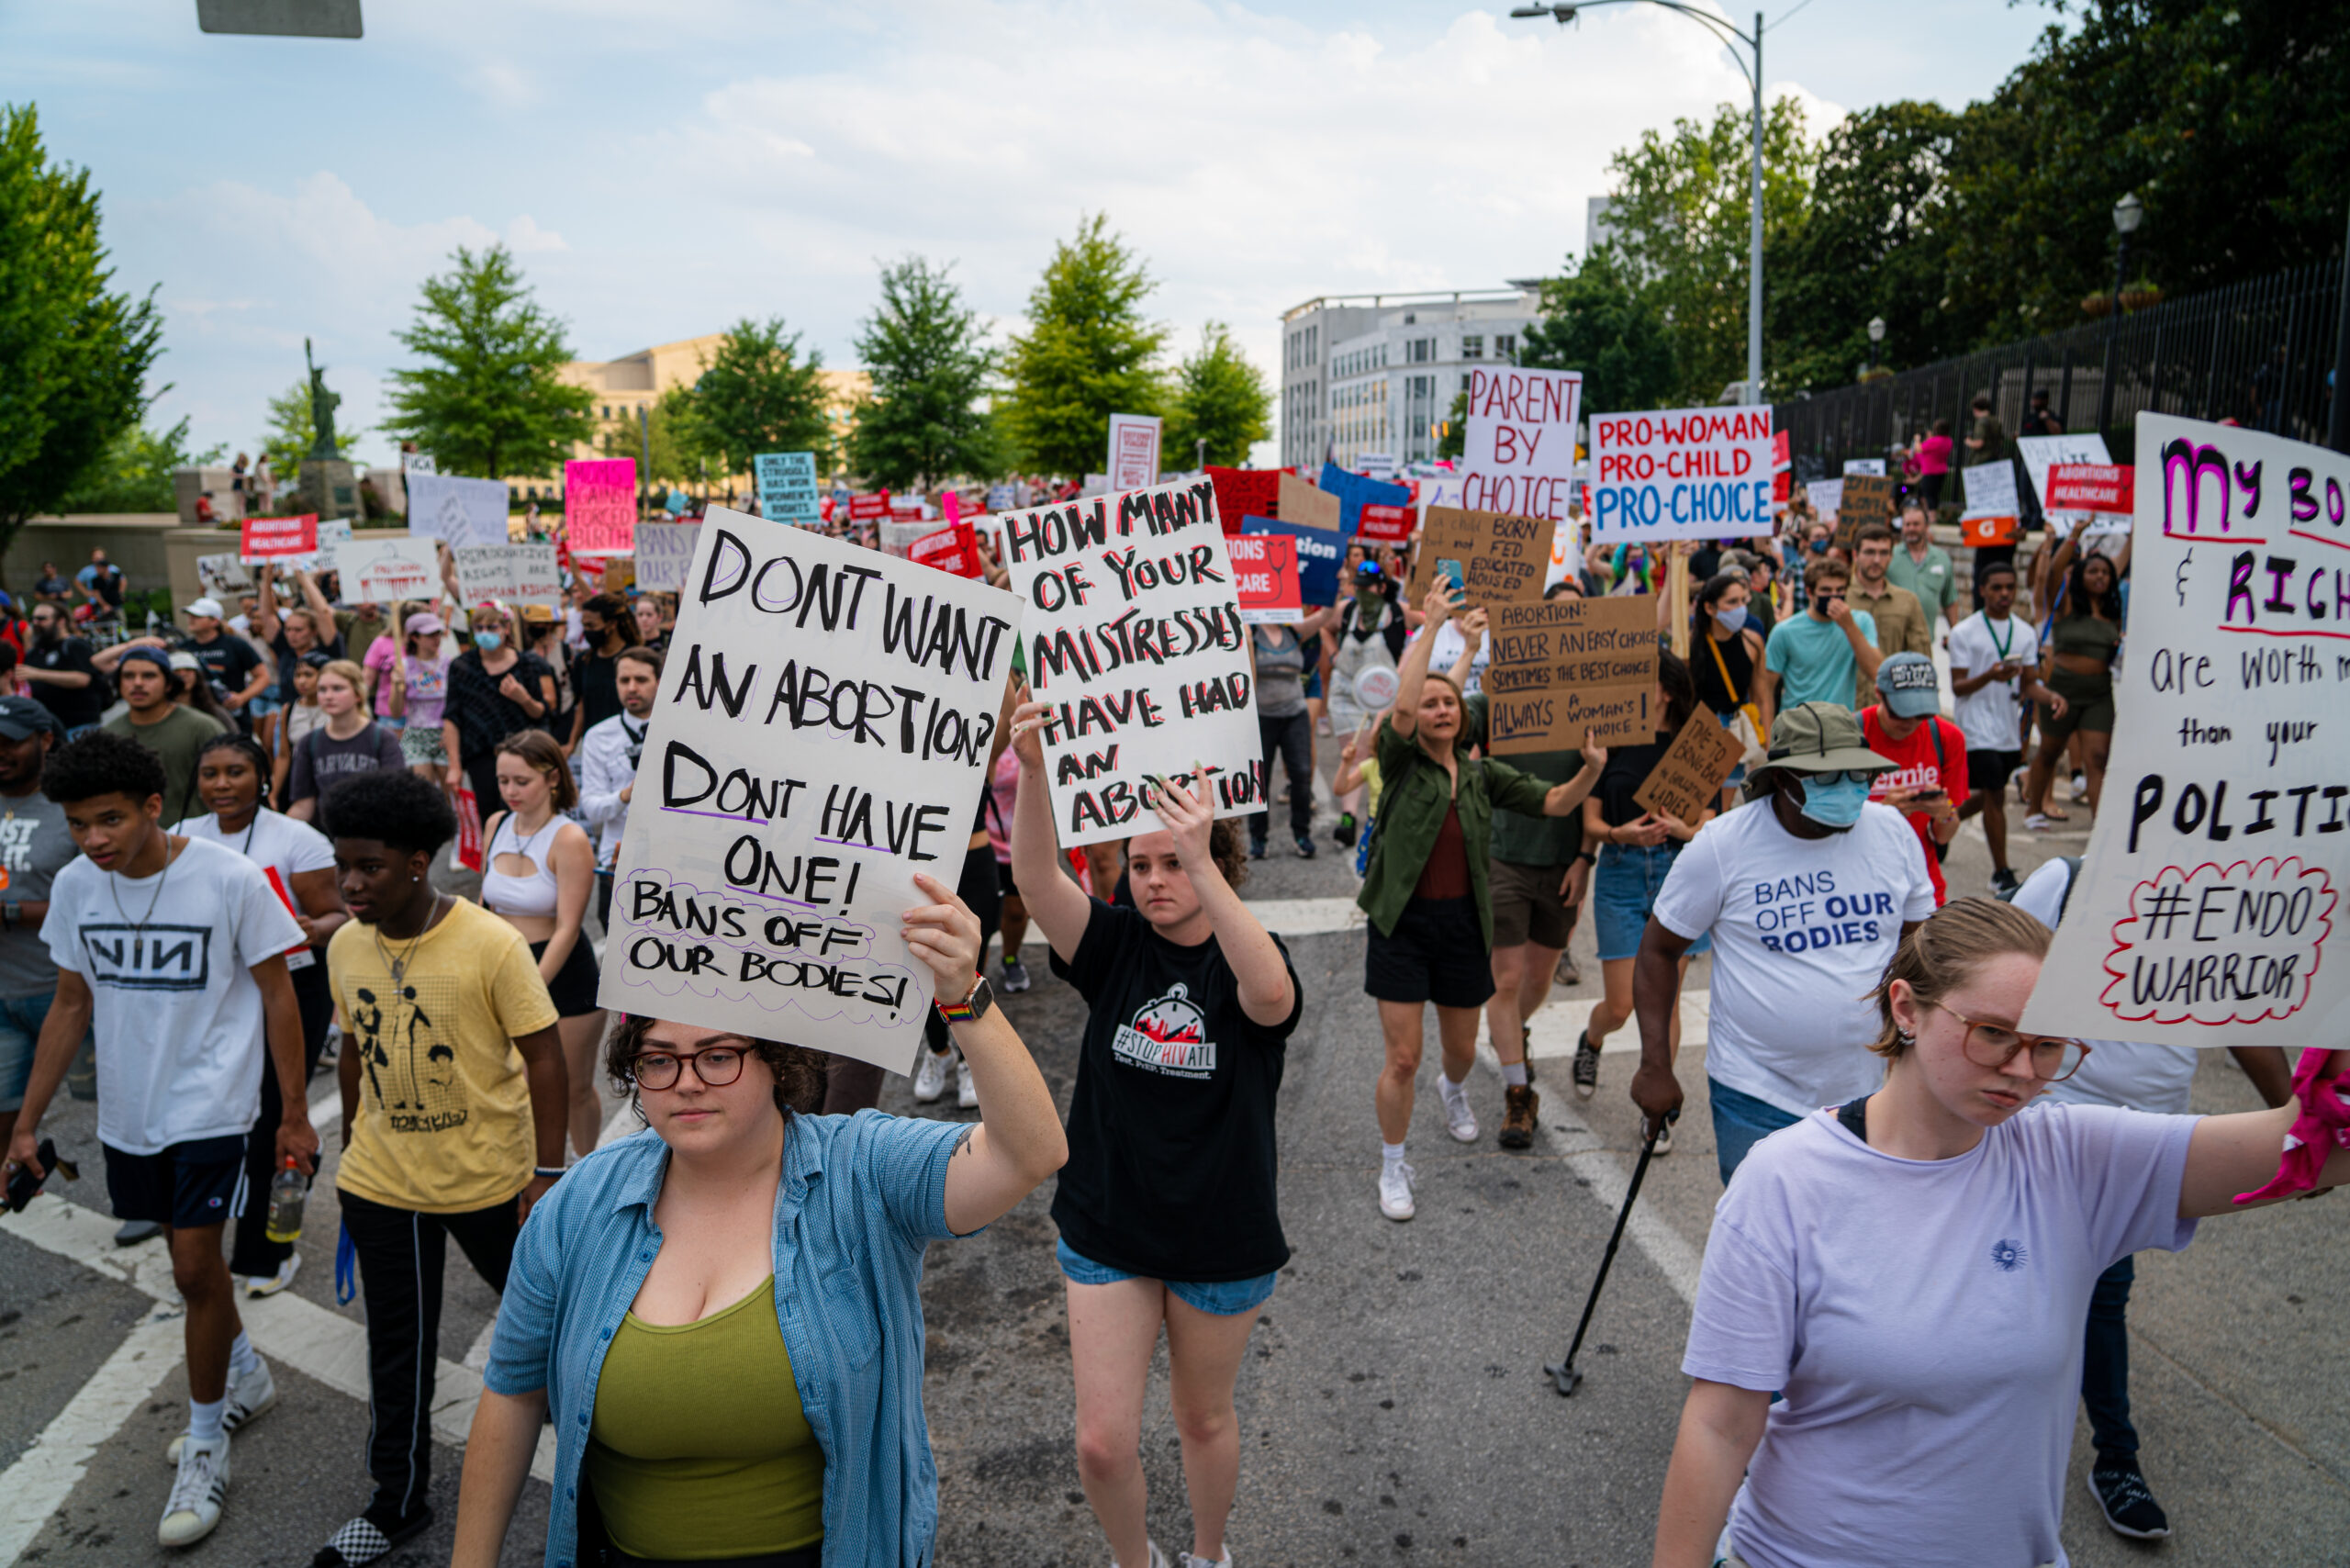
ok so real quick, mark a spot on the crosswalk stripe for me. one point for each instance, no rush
(45, 1474)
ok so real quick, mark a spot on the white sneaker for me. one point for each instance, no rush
(194, 1507)
(1186, 1560)
(967, 1093)
(1664, 1140)
(930, 1078)
(259, 1285)
(1458, 1119)
(1395, 1189)
(1157, 1558)
(250, 1397)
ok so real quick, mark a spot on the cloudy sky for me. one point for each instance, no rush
(662, 169)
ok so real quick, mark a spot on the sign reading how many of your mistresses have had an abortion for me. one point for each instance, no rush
(826, 718)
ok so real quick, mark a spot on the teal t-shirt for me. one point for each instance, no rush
(1813, 659)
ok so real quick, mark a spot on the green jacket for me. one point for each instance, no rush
(1411, 814)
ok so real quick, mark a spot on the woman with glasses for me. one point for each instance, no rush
(723, 1321)
(1886, 1339)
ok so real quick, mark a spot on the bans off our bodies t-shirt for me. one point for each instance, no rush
(1171, 1159)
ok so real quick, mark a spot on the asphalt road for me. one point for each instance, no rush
(1393, 1408)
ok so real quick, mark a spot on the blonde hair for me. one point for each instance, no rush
(350, 675)
(1945, 952)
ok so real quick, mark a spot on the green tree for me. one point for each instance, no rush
(1454, 442)
(758, 394)
(1220, 397)
(488, 401)
(134, 472)
(679, 450)
(291, 430)
(1089, 353)
(926, 352)
(74, 355)
(1595, 320)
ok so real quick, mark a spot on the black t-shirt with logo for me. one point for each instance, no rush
(74, 707)
(1171, 1159)
(228, 662)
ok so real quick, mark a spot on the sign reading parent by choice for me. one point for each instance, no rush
(1680, 473)
(822, 733)
(2208, 909)
(1563, 666)
(1136, 643)
(1503, 556)
(1519, 454)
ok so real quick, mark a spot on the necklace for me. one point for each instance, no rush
(397, 968)
(114, 889)
(2001, 647)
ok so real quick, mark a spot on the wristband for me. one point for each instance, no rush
(1588, 859)
(539, 1171)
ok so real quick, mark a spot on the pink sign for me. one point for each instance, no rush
(599, 506)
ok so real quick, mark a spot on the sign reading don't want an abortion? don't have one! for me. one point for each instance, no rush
(826, 718)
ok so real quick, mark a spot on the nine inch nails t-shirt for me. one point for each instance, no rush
(1171, 1161)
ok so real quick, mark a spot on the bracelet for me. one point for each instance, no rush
(539, 1171)
(956, 1011)
(1588, 859)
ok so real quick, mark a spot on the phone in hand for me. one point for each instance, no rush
(1449, 571)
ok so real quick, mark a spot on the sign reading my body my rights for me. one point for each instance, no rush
(1137, 643)
(1680, 473)
(823, 735)
(1563, 666)
(2208, 907)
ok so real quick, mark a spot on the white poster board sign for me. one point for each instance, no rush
(1133, 636)
(223, 576)
(1990, 488)
(1873, 465)
(2042, 453)
(1680, 473)
(2207, 911)
(1826, 496)
(462, 511)
(822, 733)
(518, 574)
(1134, 451)
(414, 462)
(377, 571)
(1519, 456)
(664, 550)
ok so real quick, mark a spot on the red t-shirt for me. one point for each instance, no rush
(1916, 766)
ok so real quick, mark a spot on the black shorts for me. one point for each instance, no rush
(573, 989)
(1527, 905)
(1438, 954)
(1988, 771)
(187, 1186)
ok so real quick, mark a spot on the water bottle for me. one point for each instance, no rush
(287, 1191)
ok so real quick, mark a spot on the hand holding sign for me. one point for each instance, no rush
(943, 934)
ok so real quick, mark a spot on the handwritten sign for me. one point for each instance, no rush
(664, 550)
(276, 538)
(377, 571)
(1680, 473)
(1318, 554)
(1562, 666)
(1264, 567)
(223, 576)
(2208, 909)
(1240, 492)
(1134, 640)
(462, 511)
(1519, 456)
(1868, 497)
(516, 574)
(1825, 496)
(1503, 556)
(953, 548)
(1306, 505)
(2042, 453)
(787, 482)
(822, 733)
(2091, 487)
(1690, 775)
(1134, 451)
(599, 505)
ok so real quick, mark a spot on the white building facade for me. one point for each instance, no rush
(1373, 373)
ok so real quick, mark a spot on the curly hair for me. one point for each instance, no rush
(1224, 848)
(392, 806)
(102, 763)
(799, 1071)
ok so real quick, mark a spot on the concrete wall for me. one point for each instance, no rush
(133, 541)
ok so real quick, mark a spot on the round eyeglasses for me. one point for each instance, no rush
(2053, 1058)
(717, 1066)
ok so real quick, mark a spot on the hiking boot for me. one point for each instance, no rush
(1520, 1109)
(2129, 1507)
(1586, 1069)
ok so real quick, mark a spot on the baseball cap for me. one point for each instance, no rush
(182, 659)
(1369, 572)
(1821, 737)
(156, 656)
(205, 606)
(22, 718)
(1907, 683)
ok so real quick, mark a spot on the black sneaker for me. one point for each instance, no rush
(369, 1538)
(1304, 847)
(2129, 1507)
(1586, 1071)
(2005, 885)
(1344, 833)
(1255, 849)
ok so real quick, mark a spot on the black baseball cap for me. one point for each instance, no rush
(21, 718)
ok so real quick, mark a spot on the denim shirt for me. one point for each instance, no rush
(861, 1198)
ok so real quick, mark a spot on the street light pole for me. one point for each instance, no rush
(1876, 336)
(2127, 213)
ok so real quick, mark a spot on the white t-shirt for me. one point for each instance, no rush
(2128, 1074)
(177, 1012)
(1988, 715)
(1923, 1318)
(276, 843)
(1449, 640)
(1802, 928)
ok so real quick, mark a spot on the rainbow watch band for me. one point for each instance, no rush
(959, 1012)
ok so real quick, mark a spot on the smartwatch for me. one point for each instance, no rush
(974, 1005)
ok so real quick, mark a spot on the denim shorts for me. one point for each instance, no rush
(1624, 890)
(21, 1020)
(1225, 1298)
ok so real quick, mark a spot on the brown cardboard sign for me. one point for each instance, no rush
(1868, 497)
(1503, 556)
(1302, 503)
(1562, 667)
(1690, 775)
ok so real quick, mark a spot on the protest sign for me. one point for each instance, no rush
(1874, 466)
(620, 573)
(1689, 776)
(1520, 456)
(2206, 911)
(1135, 641)
(1243, 492)
(787, 482)
(1318, 554)
(1004, 496)
(414, 462)
(462, 511)
(1825, 496)
(1264, 575)
(866, 508)
(1680, 473)
(1376, 465)
(1562, 666)
(2042, 453)
(1868, 497)
(663, 550)
(1387, 524)
(1991, 516)
(898, 538)
(1503, 556)
(1356, 491)
(2091, 487)
(1134, 451)
(599, 505)
(517, 573)
(950, 549)
(275, 538)
(823, 735)
(223, 576)
(377, 571)
(1306, 506)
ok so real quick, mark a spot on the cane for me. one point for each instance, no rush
(1562, 1375)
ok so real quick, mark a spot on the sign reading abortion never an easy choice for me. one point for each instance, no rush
(2208, 907)
(1680, 473)
(1566, 668)
(823, 729)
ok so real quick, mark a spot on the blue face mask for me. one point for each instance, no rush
(1836, 805)
(1733, 621)
(1820, 547)
(488, 642)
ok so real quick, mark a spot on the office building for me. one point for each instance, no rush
(1377, 373)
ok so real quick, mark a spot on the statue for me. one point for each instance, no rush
(322, 407)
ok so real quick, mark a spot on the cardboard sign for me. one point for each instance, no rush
(1387, 525)
(1264, 575)
(599, 506)
(1306, 506)
(462, 511)
(1825, 496)
(787, 482)
(1520, 456)
(1680, 473)
(2042, 453)
(1134, 637)
(2091, 486)
(1318, 554)
(1134, 451)
(2207, 911)
(664, 550)
(517, 573)
(620, 573)
(275, 538)
(1242, 492)
(1503, 556)
(377, 571)
(223, 576)
(1690, 775)
(1564, 667)
(1990, 488)
(1868, 497)
(822, 733)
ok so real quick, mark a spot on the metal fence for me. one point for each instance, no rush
(2260, 353)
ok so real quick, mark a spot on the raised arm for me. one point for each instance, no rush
(1412, 673)
(1473, 637)
(1056, 904)
(1266, 994)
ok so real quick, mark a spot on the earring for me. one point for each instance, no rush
(416, 878)
(1903, 1039)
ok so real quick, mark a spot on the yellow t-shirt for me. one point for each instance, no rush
(443, 1123)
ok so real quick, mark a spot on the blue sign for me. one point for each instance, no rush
(1318, 552)
(787, 482)
(1355, 491)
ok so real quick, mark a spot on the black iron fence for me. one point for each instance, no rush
(2261, 352)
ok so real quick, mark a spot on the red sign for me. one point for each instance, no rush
(1264, 576)
(953, 548)
(1243, 492)
(865, 508)
(1385, 524)
(2092, 486)
(271, 538)
(1780, 460)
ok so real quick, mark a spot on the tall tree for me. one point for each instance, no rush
(134, 472)
(758, 394)
(930, 363)
(670, 448)
(74, 354)
(291, 430)
(1221, 399)
(488, 401)
(1595, 320)
(1089, 352)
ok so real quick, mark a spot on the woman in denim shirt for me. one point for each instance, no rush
(690, 1423)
